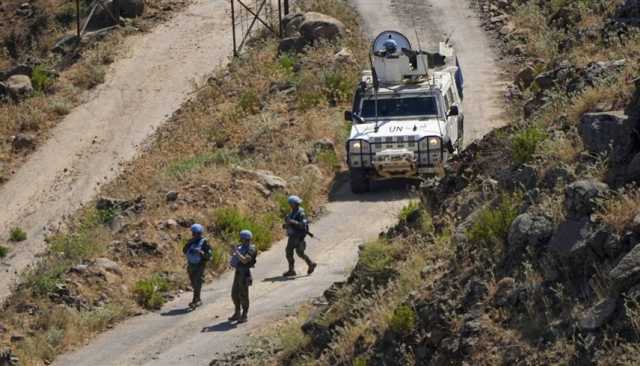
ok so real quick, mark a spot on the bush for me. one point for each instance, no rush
(149, 292)
(3, 251)
(408, 210)
(282, 202)
(17, 234)
(338, 86)
(525, 142)
(228, 223)
(41, 79)
(377, 256)
(45, 280)
(249, 102)
(219, 258)
(492, 225)
(329, 160)
(403, 320)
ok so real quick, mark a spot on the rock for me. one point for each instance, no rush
(25, 10)
(15, 338)
(474, 291)
(557, 176)
(521, 177)
(23, 141)
(316, 329)
(291, 23)
(604, 133)
(65, 44)
(131, 8)
(345, 56)
(102, 18)
(320, 146)
(19, 87)
(318, 27)
(633, 170)
(312, 173)
(525, 77)
(266, 178)
(582, 197)
(126, 206)
(635, 224)
(598, 315)
(291, 45)
(172, 196)
(21, 69)
(79, 268)
(504, 291)
(171, 224)
(629, 9)
(626, 273)
(529, 230)
(571, 241)
(107, 265)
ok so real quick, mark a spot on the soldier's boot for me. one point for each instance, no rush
(244, 317)
(291, 272)
(312, 267)
(236, 315)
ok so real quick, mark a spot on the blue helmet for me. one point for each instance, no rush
(390, 45)
(246, 235)
(197, 229)
(294, 200)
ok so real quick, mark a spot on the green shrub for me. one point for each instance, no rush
(408, 210)
(218, 157)
(377, 256)
(491, 227)
(287, 63)
(107, 215)
(282, 203)
(360, 361)
(149, 292)
(45, 280)
(329, 159)
(338, 86)
(525, 142)
(3, 251)
(403, 320)
(41, 79)
(228, 223)
(17, 234)
(219, 258)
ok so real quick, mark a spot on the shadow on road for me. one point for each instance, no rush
(175, 312)
(282, 278)
(382, 191)
(220, 327)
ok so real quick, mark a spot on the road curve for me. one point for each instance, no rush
(176, 337)
(89, 146)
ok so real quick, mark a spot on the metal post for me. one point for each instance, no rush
(286, 7)
(78, 20)
(233, 28)
(280, 17)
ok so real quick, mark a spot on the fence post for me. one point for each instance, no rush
(78, 20)
(233, 28)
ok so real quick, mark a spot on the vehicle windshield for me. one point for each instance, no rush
(400, 107)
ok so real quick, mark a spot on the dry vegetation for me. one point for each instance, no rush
(262, 112)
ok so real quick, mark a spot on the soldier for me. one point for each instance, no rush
(198, 253)
(297, 228)
(243, 259)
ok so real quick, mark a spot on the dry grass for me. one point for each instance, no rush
(619, 212)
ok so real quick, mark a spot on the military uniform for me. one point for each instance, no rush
(242, 280)
(197, 263)
(297, 230)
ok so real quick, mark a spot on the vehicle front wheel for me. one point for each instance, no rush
(359, 181)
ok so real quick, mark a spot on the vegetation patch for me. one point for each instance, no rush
(17, 234)
(4, 251)
(150, 292)
(228, 222)
(492, 224)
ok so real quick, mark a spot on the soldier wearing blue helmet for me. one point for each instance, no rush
(297, 227)
(242, 260)
(198, 253)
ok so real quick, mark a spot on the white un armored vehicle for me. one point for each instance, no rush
(407, 113)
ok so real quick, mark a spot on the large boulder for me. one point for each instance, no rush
(19, 87)
(317, 27)
(629, 9)
(102, 18)
(598, 315)
(626, 273)
(291, 23)
(633, 169)
(263, 177)
(583, 197)
(605, 133)
(23, 141)
(529, 230)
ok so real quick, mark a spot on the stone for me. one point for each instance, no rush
(626, 273)
(528, 230)
(66, 44)
(291, 23)
(171, 224)
(320, 27)
(521, 177)
(504, 290)
(629, 9)
(292, 45)
(23, 141)
(598, 315)
(525, 77)
(172, 196)
(102, 18)
(557, 176)
(606, 132)
(79, 268)
(266, 178)
(131, 8)
(19, 87)
(345, 56)
(15, 338)
(633, 169)
(571, 239)
(582, 197)
(107, 265)
(316, 329)
(474, 291)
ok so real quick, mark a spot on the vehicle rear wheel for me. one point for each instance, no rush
(359, 181)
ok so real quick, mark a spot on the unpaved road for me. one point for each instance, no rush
(88, 147)
(174, 337)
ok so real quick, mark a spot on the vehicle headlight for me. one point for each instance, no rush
(434, 141)
(430, 143)
(358, 146)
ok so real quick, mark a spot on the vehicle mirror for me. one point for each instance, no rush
(453, 111)
(348, 116)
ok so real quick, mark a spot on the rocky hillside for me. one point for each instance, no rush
(527, 251)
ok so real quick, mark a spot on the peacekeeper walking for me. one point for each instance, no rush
(297, 228)
(242, 259)
(198, 253)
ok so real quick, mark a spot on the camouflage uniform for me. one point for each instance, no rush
(196, 270)
(297, 232)
(242, 279)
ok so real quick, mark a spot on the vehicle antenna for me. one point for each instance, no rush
(376, 85)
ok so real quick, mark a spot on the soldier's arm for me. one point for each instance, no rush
(206, 248)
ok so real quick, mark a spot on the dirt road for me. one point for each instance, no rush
(175, 337)
(89, 146)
